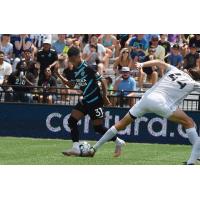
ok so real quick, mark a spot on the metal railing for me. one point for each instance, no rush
(65, 96)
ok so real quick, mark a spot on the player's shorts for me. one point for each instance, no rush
(95, 111)
(152, 104)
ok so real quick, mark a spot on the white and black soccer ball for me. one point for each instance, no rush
(84, 148)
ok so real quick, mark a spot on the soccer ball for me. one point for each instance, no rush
(84, 148)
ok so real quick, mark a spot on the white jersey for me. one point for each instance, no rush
(165, 96)
(174, 86)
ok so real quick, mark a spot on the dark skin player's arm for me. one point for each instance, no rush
(106, 101)
(70, 84)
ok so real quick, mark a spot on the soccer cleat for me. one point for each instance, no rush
(72, 152)
(185, 163)
(118, 147)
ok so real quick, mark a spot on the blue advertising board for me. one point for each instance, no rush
(50, 121)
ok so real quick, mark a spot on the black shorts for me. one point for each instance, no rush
(95, 111)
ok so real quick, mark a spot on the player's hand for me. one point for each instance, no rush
(138, 65)
(106, 101)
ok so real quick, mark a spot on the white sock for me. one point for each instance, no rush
(195, 152)
(106, 137)
(192, 135)
(76, 145)
(118, 141)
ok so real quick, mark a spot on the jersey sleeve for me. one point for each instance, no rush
(97, 76)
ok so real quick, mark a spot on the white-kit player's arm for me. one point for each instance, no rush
(157, 63)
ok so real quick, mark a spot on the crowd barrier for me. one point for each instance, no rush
(50, 121)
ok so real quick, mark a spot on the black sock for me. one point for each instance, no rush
(74, 133)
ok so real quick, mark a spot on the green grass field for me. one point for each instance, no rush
(29, 151)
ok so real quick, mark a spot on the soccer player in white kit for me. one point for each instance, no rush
(162, 99)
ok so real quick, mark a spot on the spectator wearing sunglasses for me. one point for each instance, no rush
(122, 61)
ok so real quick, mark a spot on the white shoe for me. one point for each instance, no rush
(118, 147)
(72, 152)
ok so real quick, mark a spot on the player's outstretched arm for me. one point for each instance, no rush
(64, 80)
(150, 63)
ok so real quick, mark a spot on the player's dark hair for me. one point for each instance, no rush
(73, 51)
(1, 52)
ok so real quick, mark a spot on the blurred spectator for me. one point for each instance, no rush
(148, 37)
(192, 62)
(6, 47)
(175, 58)
(138, 43)
(122, 61)
(195, 40)
(21, 80)
(101, 50)
(110, 42)
(137, 74)
(122, 38)
(93, 59)
(109, 82)
(49, 84)
(21, 43)
(46, 58)
(184, 50)
(5, 71)
(173, 38)
(125, 86)
(164, 43)
(61, 48)
(160, 51)
(151, 72)
(30, 65)
(38, 39)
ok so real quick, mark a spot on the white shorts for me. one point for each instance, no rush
(152, 104)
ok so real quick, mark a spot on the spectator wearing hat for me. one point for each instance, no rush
(192, 62)
(125, 85)
(6, 47)
(195, 40)
(46, 58)
(175, 58)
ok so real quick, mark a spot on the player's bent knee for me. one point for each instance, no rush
(72, 122)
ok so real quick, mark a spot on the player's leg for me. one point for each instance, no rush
(101, 129)
(112, 132)
(182, 118)
(75, 116)
(136, 111)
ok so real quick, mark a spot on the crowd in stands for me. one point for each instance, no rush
(28, 60)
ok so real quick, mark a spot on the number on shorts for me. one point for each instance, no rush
(174, 77)
(99, 112)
